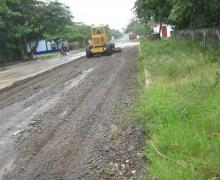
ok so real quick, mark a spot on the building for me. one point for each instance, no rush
(44, 46)
(166, 30)
(132, 36)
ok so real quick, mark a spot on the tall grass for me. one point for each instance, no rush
(180, 109)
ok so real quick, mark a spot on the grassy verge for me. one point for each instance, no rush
(180, 109)
(48, 55)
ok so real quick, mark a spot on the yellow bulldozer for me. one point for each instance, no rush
(100, 42)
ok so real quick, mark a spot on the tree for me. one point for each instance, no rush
(138, 27)
(153, 10)
(182, 14)
(22, 21)
(77, 34)
(54, 18)
(195, 13)
(84, 34)
(114, 33)
(15, 26)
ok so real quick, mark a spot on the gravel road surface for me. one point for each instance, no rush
(68, 123)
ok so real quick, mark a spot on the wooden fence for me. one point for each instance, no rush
(206, 36)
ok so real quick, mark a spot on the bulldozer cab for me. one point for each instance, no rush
(100, 43)
(99, 35)
(97, 31)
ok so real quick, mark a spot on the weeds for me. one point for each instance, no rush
(109, 169)
(114, 133)
(180, 109)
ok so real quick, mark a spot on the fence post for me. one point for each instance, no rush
(193, 38)
(204, 37)
(218, 34)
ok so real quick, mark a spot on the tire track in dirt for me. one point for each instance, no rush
(61, 142)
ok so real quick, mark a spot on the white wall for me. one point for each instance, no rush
(169, 29)
(41, 46)
(156, 29)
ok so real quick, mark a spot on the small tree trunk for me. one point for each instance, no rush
(160, 29)
(22, 47)
(29, 43)
(35, 46)
(57, 43)
(19, 49)
(4, 53)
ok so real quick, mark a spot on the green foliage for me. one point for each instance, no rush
(54, 17)
(113, 32)
(24, 21)
(27, 20)
(180, 109)
(195, 14)
(181, 13)
(77, 34)
(153, 10)
(138, 27)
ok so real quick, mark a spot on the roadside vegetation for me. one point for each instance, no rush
(138, 27)
(23, 22)
(180, 109)
(183, 14)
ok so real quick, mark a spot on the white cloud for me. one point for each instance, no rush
(116, 13)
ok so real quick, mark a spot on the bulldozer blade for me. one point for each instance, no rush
(117, 50)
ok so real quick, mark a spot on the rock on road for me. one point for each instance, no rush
(58, 125)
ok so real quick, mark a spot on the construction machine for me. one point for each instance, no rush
(100, 42)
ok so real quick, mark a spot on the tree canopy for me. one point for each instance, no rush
(23, 21)
(116, 33)
(77, 34)
(138, 27)
(195, 13)
(153, 10)
(180, 13)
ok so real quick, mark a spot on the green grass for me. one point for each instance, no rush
(180, 109)
(114, 132)
(48, 55)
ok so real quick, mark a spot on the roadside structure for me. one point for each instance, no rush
(166, 30)
(45, 46)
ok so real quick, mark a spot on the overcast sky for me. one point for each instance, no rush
(116, 13)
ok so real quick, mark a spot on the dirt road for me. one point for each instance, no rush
(66, 124)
